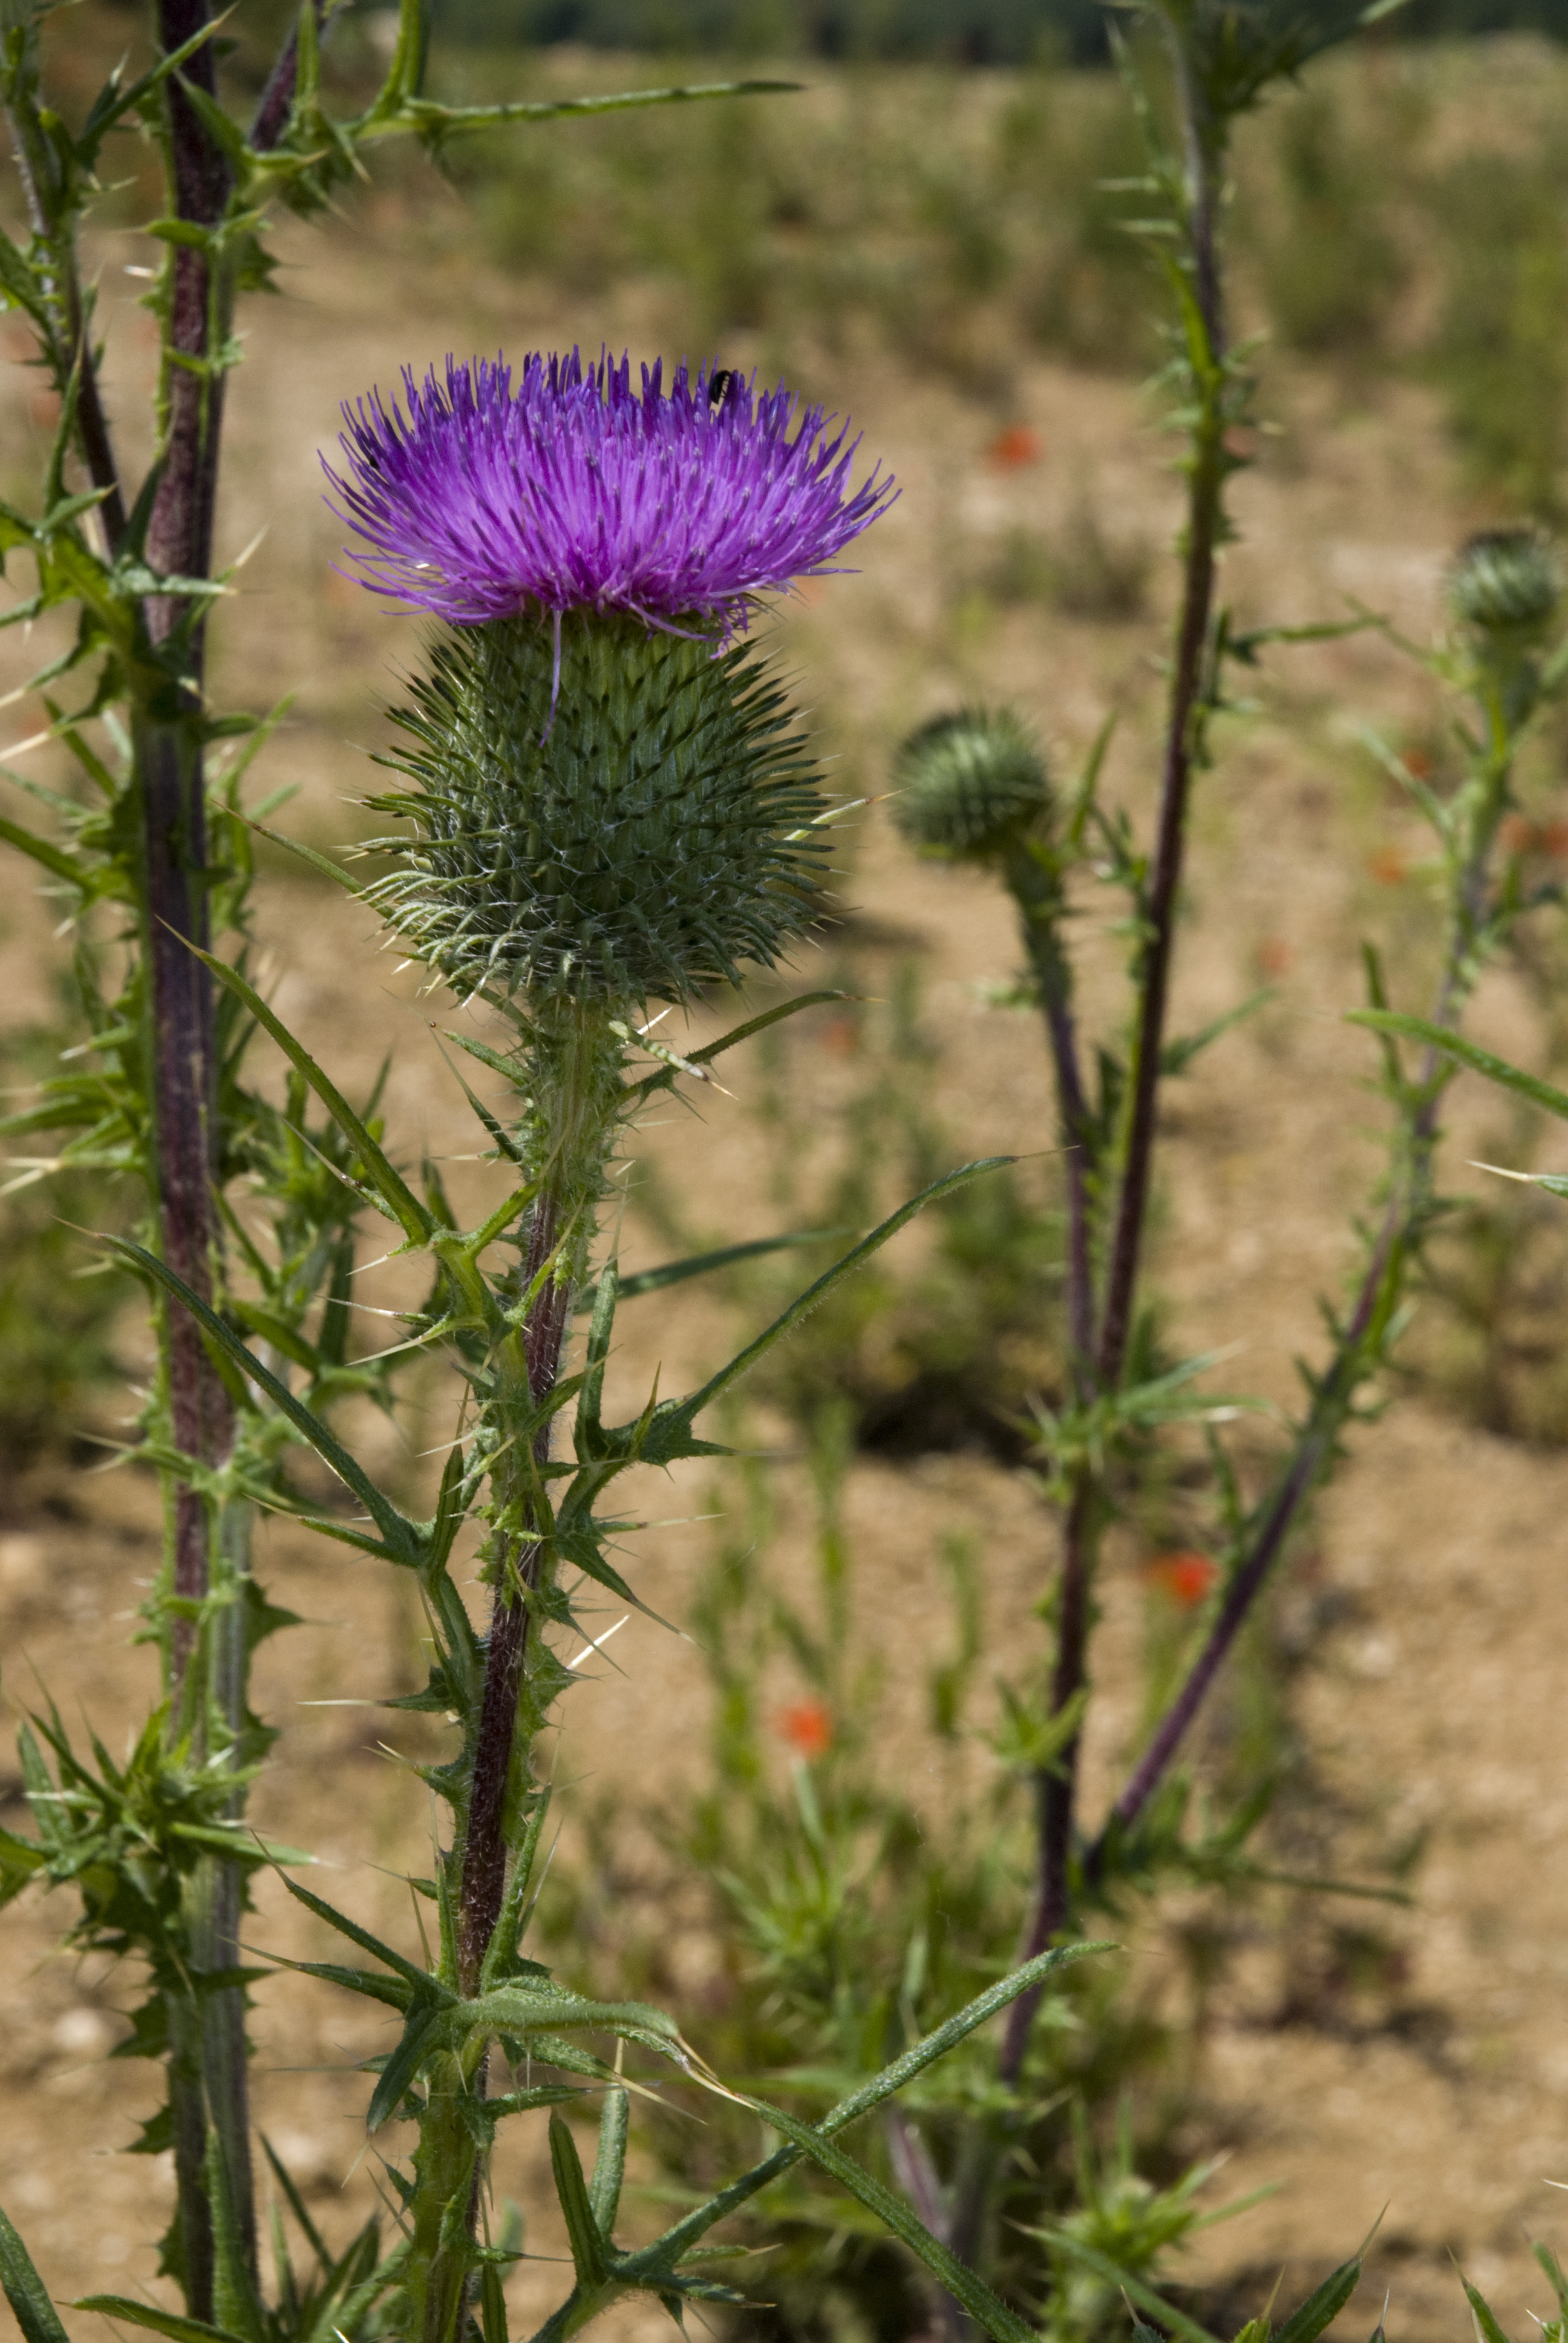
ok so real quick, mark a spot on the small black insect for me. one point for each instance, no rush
(719, 383)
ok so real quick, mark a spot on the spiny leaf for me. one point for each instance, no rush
(576, 2211)
(804, 1303)
(419, 1224)
(428, 2024)
(402, 1538)
(163, 2322)
(610, 2162)
(1467, 1053)
(1004, 2325)
(661, 2258)
(419, 1978)
(1323, 2307)
(25, 2291)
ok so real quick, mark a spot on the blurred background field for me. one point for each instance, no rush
(929, 250)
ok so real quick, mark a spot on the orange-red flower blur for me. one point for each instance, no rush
(1186, 1578)
(807, 1727)
(1012, 448)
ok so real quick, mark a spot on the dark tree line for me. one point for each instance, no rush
(971, 32)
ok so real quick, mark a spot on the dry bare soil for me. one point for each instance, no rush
(1434, 1687)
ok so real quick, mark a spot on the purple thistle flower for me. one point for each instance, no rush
(574, 491)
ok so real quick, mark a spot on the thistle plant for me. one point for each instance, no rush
(973, 787)
(611, 807)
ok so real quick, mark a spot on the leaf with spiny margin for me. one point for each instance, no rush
(24, 2290)
(295, 2202)
(52, 857)
(421, 1979)
(417, 1223)
(501, 1957)
(390, 1991)
(1487, 2327)
(179, 2328)
(610, 2160)
(493, 2324)
(1467, 1053)
(684, 1412)
(1003, 2325)
(676, 1272)
(429, 2025)
(1322, 2306)
(572, 2195)
(518, 2009)
(664, 1078)
(402, 1542)
(1178, 1055)
(653, 2263)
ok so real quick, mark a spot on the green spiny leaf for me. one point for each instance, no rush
(24, 2290)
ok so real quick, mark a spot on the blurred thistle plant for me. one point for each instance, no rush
(960, 795)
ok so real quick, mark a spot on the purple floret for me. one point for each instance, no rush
(575, 491)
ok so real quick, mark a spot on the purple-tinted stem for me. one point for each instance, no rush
(208, 2083)
(1077, 1136)
(1204, 514)
(917, 2177)
(174, 828)
(485, 1846)
(271, 117)
(1333, 1396)
(1056, 1786)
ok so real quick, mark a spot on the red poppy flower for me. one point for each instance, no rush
(807, 1727)
(1186, 1578)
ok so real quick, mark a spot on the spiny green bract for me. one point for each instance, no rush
(655, 832)
(1506, 581)
(968, 783)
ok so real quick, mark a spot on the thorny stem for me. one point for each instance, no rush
(485, 1846)
(72, 351)
(1204, 517)
(1036, 889)
(1355, 1352)
(277, 102)
(1056, 1787)
(448, 2165)
(172, 799)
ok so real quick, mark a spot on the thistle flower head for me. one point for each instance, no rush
(656, 831)
(575, 491)
(1506, 582)
(968, 783)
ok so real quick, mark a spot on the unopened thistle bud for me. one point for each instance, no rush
(971, 785)
(1507, 582)
(611, 803)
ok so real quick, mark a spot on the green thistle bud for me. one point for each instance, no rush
(970, 784)
(1507, 582)
(639, 830)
